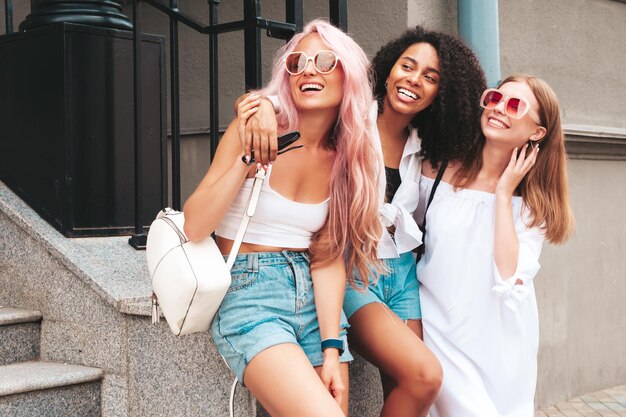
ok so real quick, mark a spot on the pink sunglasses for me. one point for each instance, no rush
(323, 61)
(514, 107)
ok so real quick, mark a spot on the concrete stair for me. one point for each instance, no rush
(94, 295)
(29, 387)
(19, 335)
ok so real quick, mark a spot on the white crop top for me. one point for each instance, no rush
(278, 221)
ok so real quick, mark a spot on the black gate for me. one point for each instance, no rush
(252, 25)
(108, 15)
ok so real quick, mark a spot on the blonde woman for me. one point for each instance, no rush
(485, 228)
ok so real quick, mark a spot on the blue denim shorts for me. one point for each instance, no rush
(270, 301)
(398, 289)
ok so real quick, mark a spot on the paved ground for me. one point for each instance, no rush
(610, 402)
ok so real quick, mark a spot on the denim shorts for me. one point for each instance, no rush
(270, 301)
(398, 289)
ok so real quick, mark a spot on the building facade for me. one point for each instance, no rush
(578, 47)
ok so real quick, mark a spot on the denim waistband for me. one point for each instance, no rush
(253, 259)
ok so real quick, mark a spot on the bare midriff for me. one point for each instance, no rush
(226, 244)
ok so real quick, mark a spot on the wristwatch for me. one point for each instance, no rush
(333, 343)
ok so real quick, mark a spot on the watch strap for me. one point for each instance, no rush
(334, 344)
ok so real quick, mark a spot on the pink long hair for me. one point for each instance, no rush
(353, 228)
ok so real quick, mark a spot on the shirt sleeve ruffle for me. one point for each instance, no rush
(407, 235)
(530, 243)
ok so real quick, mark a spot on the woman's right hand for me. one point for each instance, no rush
(330, 375)
(516, 170)
(258, 129)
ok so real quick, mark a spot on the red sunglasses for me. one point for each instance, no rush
(514, 107)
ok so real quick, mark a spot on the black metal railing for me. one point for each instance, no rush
(252, 24)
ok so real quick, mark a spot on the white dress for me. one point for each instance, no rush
(483, 329)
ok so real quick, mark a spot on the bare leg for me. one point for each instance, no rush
(378, 335)
(346, 393)
(284, 382)
(388, 382)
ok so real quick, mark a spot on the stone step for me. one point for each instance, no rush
(19, 335)
(10, 316)
(49, 389)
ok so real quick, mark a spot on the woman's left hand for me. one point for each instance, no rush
(258, 128)
(331, 375)
(515, 171)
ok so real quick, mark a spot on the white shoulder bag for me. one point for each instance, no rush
(190, 279)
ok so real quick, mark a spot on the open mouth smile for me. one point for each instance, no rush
(408, 93)
(497, 123)
(311, 87)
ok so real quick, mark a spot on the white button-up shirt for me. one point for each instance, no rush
(399, 212)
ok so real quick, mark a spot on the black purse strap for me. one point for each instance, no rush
(442, 169)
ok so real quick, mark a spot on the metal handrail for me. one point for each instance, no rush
(182, 17)
(176, 16)
(252, 24)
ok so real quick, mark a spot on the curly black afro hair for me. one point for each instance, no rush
(450, 127)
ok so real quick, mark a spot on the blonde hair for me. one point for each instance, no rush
(545, 188)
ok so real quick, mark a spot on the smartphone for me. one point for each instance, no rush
(287, 139)
(283, 142)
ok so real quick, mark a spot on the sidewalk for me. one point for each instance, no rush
(610, 402)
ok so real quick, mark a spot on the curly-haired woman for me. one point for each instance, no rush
(426, 83)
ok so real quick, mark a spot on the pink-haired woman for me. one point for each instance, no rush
(281, 327)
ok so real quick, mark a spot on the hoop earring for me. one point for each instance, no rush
(386, 85)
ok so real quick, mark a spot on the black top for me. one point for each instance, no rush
(393, 182)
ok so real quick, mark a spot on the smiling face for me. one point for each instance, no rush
(312, 90)
(500, 128)
(413, 82)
